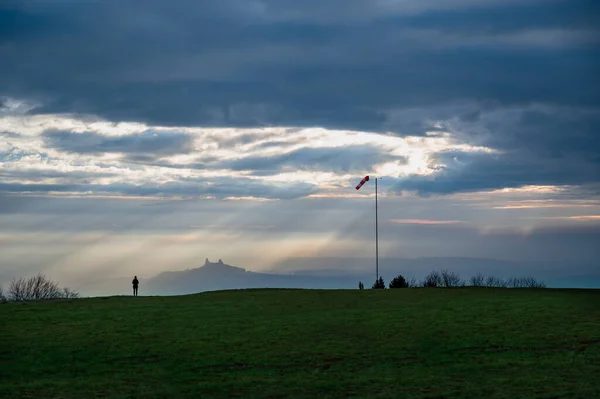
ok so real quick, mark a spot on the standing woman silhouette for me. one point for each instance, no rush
(135, 283)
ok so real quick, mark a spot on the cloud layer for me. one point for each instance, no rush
(329, 63)
(511, 76)
(66, 156)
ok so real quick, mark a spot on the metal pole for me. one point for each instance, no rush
(376, 235)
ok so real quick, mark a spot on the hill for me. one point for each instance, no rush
(409, 343)
(214, 276)
(556, 274)
(340, 273)
(334, 273)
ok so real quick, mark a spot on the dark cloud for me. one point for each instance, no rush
(376, 66)
(185, 187)
(503, 18)
(327, 63)
(554, 133)
(350, 159)
(255, 138)
(145, 146)
(10, 135)
(537, 146)
(469, 172)
(37, 175)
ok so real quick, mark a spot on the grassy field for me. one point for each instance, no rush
(407, 343)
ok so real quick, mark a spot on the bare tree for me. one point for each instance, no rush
(2, 297)
(450, 279)
(68, 293)
(524, 282)
(16, 289)
(513, 282)
(37, 288)
(531, 282)
(433, 279)
(477, 280)
(494, 282)
(412, 282)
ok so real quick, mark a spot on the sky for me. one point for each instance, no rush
(143, 136)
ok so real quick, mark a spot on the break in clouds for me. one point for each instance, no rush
(465, 153)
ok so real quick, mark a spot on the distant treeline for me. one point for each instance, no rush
(35, 288)
(447, 279)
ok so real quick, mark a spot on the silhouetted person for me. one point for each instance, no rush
(135, 283)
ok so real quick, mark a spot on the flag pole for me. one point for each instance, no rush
(363, 181)
(376, 235)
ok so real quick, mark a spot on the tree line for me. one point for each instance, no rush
(36, 288)
(448, 279)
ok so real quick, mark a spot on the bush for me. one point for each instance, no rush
(447, 279)
(379, 284)
(68, 293)
(37, 288)
(450, 279)
(433, 279)
(478, 280)
(531, 282)
(412, 282)
(494, 282)
(398, 282)
(524, 282)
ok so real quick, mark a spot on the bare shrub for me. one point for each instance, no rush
(531, 282)
(412, 282)
(68, 293)
(450, 279)
(477, 280)
(513, 282)
(495, 282)
(433, 279)
(37, 288)
(524, 282)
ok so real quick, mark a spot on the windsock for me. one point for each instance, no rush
(366, 179)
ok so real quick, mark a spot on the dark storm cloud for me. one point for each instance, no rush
(349, 159)
(554, 133)
(242, 63)
(144, 146)
(465, 172)
(538, 146)
(359, 65)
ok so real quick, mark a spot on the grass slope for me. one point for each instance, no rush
(409, 343)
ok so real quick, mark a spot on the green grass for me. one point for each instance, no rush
(408, 343)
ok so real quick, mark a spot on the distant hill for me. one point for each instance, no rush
(219, 275)
(343, 273)
(339, 273)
